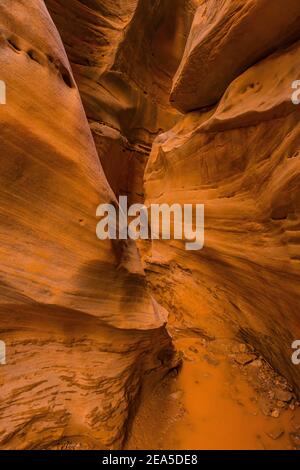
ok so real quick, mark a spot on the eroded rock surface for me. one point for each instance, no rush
(226, 37)
(241, 160)
(88, 99)
(57, 279)
(124, 55)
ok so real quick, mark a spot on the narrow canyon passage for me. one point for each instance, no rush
(145, 344)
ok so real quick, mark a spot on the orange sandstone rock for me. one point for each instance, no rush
(241, 160)
(76, 317)
(227, 37)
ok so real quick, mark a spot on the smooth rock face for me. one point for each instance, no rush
(124, 55)
(242, 161)
(75, 313)
(226, 37)
(262, 93)
(84, 321)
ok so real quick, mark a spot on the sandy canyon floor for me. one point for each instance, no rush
(224, 396)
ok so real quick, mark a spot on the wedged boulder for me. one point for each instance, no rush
(226, 38)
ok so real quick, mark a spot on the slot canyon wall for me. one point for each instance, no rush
(80, 327)
(166, 101)
(240, 158)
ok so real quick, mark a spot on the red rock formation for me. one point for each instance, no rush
(75, 313)
(240, 160)
(83, 322)
(228, 36)
(124, 55)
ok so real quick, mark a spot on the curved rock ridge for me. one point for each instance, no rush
(228, 36)
(124, 56)
(57, 278)
(91, 327)
(72, 381)
(263, 92)
(241, 160)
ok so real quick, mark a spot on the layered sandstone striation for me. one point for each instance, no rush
(240, 159)
(227, 37)
(80, 328)
(95, 95)
(124, 55)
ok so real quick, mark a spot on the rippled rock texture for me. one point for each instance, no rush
(241, 159)
(79, 325)
(227, 37)
(124, 55)
(95, 95)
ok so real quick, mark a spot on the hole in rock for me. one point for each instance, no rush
(12, 43)
(33, 56)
